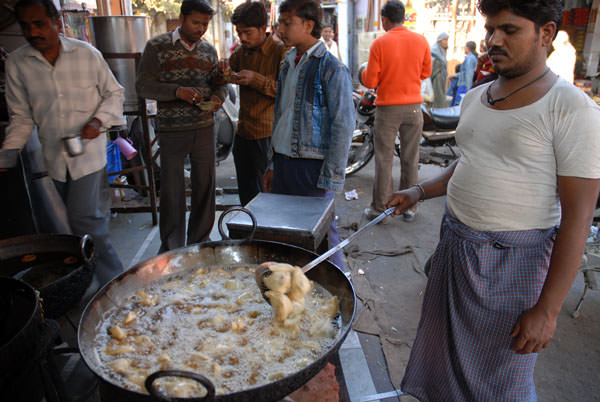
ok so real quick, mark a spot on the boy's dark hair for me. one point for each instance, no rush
(472, 47)
(201, 6)
(250, 14)
(538, 11)
(307, 10)
(393, 10)
(51, 10)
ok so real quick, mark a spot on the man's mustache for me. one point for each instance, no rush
(496, 51)
(32, 38)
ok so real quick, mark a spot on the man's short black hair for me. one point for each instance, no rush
(393, 10)
(539, 11)
(51, 10)
(201, 6)
(307, 10)
(250, 14)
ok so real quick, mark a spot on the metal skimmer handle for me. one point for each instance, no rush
(343, 244)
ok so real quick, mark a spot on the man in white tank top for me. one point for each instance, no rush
(520, 202)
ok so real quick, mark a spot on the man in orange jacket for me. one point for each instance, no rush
(398, 61)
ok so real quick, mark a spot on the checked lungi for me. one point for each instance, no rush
(479, 284)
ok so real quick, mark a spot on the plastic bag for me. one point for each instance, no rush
(427, 90)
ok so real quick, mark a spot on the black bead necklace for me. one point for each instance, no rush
(493, 101)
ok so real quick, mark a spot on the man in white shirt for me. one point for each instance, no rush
(64, 87)
(562, 59)
(520, 202)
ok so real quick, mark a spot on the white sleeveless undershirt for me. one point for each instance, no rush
(506, 178)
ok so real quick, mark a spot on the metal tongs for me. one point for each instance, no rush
(262, 270)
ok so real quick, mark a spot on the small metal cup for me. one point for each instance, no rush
(73, 145)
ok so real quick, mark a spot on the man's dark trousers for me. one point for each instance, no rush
(174, 146)
(250, 158)
(294, 176)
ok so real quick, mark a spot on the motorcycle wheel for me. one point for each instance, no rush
(361, 149)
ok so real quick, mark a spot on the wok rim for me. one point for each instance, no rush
(63, 293)
(317, 364)
(29, 244)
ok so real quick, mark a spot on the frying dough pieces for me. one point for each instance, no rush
(287, 287)
(282, 304)
(300, 285)
(279, 282)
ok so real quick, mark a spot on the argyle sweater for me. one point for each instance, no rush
(165, 67)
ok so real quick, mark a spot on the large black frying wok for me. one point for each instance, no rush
(59, 266)
(213, 255)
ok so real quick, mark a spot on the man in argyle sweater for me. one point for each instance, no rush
(179, 70)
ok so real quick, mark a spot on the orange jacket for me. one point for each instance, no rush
(398, 61)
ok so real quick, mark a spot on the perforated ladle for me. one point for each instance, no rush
(262, 271)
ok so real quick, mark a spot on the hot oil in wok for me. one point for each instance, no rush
(40, 270)
(215, 323)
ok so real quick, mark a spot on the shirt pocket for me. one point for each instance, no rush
(83, 97)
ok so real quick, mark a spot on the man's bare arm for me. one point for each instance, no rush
(535, 328)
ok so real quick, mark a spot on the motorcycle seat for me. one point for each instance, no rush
(445, 117)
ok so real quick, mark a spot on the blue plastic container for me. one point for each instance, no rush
(113, 160)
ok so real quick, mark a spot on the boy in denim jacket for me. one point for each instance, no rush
(314, 112)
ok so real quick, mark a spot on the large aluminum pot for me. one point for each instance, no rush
(212, 255)
(122, 34)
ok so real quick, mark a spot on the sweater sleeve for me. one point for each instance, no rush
(264, 85)
(147, 84)
(370, 75)
(219, 88)
(267, 85)
(234, 60)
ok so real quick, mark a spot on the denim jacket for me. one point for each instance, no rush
(323, 119)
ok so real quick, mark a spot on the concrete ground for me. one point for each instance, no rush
(568, 370)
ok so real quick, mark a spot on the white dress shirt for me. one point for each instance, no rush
(60, 99)
(333, 49)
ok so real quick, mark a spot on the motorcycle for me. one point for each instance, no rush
(437, 145)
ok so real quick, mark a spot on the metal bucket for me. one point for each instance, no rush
(122, 34)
